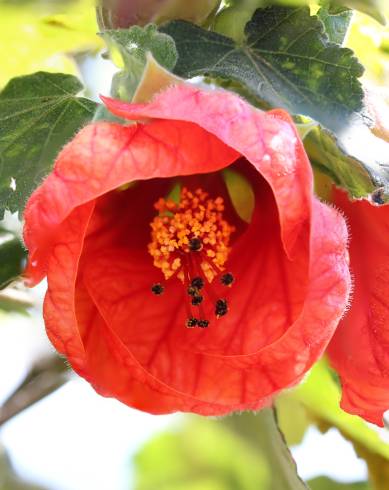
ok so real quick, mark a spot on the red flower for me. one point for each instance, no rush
(360, 348)
(203, 345)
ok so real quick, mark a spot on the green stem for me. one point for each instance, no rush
(262, 432)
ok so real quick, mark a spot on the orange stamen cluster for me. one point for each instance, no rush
(193, 225)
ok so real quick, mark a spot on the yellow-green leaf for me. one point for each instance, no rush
(241, 194)
(320, 395)
(35, 36)
(200, 455)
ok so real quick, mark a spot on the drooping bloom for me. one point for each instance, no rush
(159, 293)
(359, 350)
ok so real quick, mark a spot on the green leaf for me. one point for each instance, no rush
(261, 429)
(12, 255)
(155, 79)
(374, 8)
(292, 420)
(286, 61)
(175, 193)
(244, 451)
(136, 42)
(304, 128)
(129, 49)
(336, 22)
(239, 8)
(320, 395)
(231, 20)
(324, 483)
(241, 194)
(354, 158)
(202, 454)
(39, 113)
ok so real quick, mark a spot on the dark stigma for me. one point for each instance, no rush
(195, 244)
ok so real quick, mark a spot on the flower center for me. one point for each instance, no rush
(190, 240)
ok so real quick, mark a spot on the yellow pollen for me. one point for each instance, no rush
(196, 216)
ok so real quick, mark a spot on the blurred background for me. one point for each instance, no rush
(57, 434)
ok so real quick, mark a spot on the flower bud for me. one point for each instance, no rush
(114, 14)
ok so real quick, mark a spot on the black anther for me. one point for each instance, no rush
(157, 289)
(197, 300)
(197, 282)
(221, 307)
(203, 323)
(227, 279)
(192, 322)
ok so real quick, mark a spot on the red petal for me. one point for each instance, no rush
(149, 337)
(60, 318)
(114, 371)
(94, 311)
(268, 140)
(360, 348)
(105, 156)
